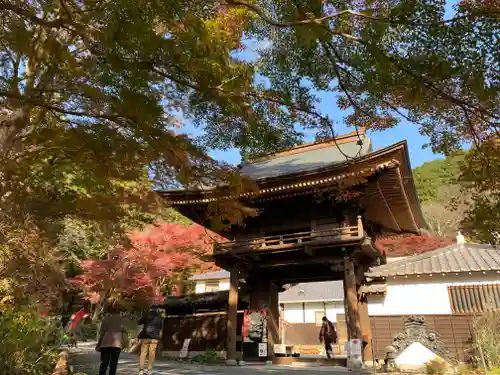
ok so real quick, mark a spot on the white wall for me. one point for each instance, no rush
(424, 295)
(200, 285)
(224, 285)
(295, 313)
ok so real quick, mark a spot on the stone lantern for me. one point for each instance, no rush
(389, 360)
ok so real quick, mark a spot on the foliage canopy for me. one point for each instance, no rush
(91, 92)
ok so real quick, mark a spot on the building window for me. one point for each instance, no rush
(319, 317)
(211, 287)
(474, 298)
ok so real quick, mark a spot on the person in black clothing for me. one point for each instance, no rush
(150, 337)
(328, 335)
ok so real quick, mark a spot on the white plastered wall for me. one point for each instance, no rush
(424, 295)
(296, 312)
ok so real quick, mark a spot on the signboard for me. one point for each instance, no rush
(353, 347)
(280, 348)
(263, 349)
(185, 348)
(310, 349)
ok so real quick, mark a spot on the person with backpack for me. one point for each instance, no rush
(150, 337)
(327, 335)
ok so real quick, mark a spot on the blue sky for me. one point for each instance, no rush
(404, 131)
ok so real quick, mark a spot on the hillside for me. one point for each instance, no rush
(443, 202)
(431, 177)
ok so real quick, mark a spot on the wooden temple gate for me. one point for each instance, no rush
(318, 213)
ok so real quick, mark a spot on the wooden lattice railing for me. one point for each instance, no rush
(285, 241)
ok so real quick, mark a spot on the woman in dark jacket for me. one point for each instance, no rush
(150, 337)
(328, 335)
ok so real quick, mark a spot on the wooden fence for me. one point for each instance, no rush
(206, 331)
(455, 330)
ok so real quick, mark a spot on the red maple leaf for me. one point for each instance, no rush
(160, 252)
(409, 244)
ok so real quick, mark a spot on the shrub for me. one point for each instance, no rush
(468, 370)
(209, 357)
(487, 338)
(30, 343)
(436, 366)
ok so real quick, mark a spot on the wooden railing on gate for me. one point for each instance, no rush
(291, 240)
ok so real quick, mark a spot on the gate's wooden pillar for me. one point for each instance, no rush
(351, 299)
(366, 329)
(232, 316)
(273, 320)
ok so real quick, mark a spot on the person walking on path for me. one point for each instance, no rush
(150, 337)
(112, 336)
(327, 335)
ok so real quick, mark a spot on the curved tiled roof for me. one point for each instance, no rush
(308, 159)
(456, 258)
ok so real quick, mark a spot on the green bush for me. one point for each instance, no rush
(30, 344)
(89, 331)
(209, 357)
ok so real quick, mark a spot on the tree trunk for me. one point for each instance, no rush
(10, 127)
(100, 307)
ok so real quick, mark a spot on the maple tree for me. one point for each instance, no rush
(140, 273)
(31, 271)
(88, 104)
(408, 245)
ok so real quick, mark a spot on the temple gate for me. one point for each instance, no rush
(320, 208)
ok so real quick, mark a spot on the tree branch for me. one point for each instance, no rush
(39, 103)
(319, 21)
(58, 22)
(315, 21)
